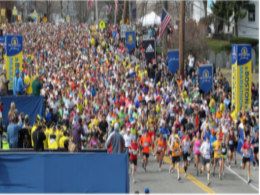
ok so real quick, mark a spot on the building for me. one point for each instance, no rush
(247, 27)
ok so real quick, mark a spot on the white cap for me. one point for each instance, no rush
(162, 103)
(121, 108)
(71, 95)
(128, 129)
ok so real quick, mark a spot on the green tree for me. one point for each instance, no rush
(111, 15)
(225, 10)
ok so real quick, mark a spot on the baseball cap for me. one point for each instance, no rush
(212, 131)
(147, 191)
(176, 136)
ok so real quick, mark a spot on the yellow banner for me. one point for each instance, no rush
(2, 12)
(13, 63)
(68, 19)
(19, 17)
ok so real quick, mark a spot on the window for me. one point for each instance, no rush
(251, 13)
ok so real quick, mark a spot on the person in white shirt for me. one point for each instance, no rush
(191, 62)
(54, 105)
(127, 138)
(204, 124)
(205, 152)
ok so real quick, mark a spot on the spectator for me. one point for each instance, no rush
(12, 131)
(3, 83)
(36, 86)
(77, 131)
(38, 138)
(21, 87)
(115, 142)
(15, 82)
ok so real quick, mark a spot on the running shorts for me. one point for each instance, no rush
(205, 161)
(256, 150)
(218, 159)
(186, 156)
(245, 160)
(231, 148)
(146, 154)
(133, 161)
(175, 159)
(235, 144)
(224, 156)
(151, 134)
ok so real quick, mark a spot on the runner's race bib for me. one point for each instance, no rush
(198, 149)
(134, 152)
(218, 152)
(159, 148)
(256, 145)
(152, 129)
(230, 142)
(223, 150)
(188, 158)
(207, 150)
(172, 114)
(176, 151)
(145, 144)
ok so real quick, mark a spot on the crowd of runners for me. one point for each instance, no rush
(91, 83)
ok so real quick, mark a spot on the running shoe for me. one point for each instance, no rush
(185, 175)
(200, 171)
(134, 180)
(249, 181)
(160, 169)
(163, 162)
(213, 173)
(170, 171)
(208, 183)
(145, 170)
(142, 165)
(197, 173)
(229, 166)
(254, 167)
(179, 178)
(235, 162)
(153, 153)
(220, 178)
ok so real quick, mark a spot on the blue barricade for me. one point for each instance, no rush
(64, 173)
(29, 105)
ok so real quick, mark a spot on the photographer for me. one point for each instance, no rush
(38, 138)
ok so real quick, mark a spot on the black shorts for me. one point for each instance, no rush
(101, 140)
(133, 161)
(146, 154)
(205, 161)
(185, 156)
(175, 159)
(235, 144)
(231, 148)
(256, 150)
(245, 160)
(211, 155)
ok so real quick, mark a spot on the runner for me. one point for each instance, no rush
(205, 151)
(133, 156)
(237, 132)
(197, 143)
(152, 127)
(145, 142)
(161, 147)
(186, 146)
(231, 139)
(212, 139)
(175, 157)
(255, 143)
(246, 150)
(217, 155)
(224, 153)
(171, 140)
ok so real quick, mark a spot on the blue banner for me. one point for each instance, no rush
(2, 39)
(14, 44)
(240, 144)
(130, 40)
(206, 78)
(29, 105)
(64, 173)
(173, 61)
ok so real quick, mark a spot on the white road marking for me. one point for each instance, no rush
(227, 168)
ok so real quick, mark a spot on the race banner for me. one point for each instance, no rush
(130, 40)
(150, 49)
(206, 78)
(173, 61)
(233, 79)
(13, 56)
(241, 78)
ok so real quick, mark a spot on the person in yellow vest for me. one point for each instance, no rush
(35, 126)
(5, 144)
(62, 139)
(52, 142)
(45, 142)
(176, 151)
(29, 80)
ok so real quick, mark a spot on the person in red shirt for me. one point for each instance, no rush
(145, 143)
(246, 150)
(133, 156)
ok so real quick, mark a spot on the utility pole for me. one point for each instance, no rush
(130, 12)
(115, 17)
(181, 37)
(97, 12)
(125, 11)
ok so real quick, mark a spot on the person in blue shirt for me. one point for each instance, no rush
(181, 133)
(206, 133)
(93, 91)
(212, 139)
(150, 32)
(164, 131)
(20, 84)
(131, 117)
(12, 131)
(15, 81)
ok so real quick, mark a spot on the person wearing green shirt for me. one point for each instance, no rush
(36, 86)
(121, 116)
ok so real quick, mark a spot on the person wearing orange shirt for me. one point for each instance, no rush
(161, 146)
(176, 151)
(145, 142)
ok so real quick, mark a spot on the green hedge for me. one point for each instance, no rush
(244, 40)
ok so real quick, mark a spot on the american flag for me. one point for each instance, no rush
(165, 20)
(91, 3)
(116, 5)
(109, 8)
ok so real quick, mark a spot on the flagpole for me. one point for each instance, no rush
(97, 12)
(115, 16)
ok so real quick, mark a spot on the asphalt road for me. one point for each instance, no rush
(234, 181)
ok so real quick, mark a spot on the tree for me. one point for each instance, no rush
(194, 41)
(48, 7)
(205, 3)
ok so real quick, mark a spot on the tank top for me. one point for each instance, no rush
(223, 148)
(172, 139)
(160, 145)
(206, 135)
(186, 146)
(247, 133)
(175, 150)
(255, 142)
(231, 140)
(197, 145)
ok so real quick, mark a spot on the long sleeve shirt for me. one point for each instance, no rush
(15, 85)
(21, 86)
